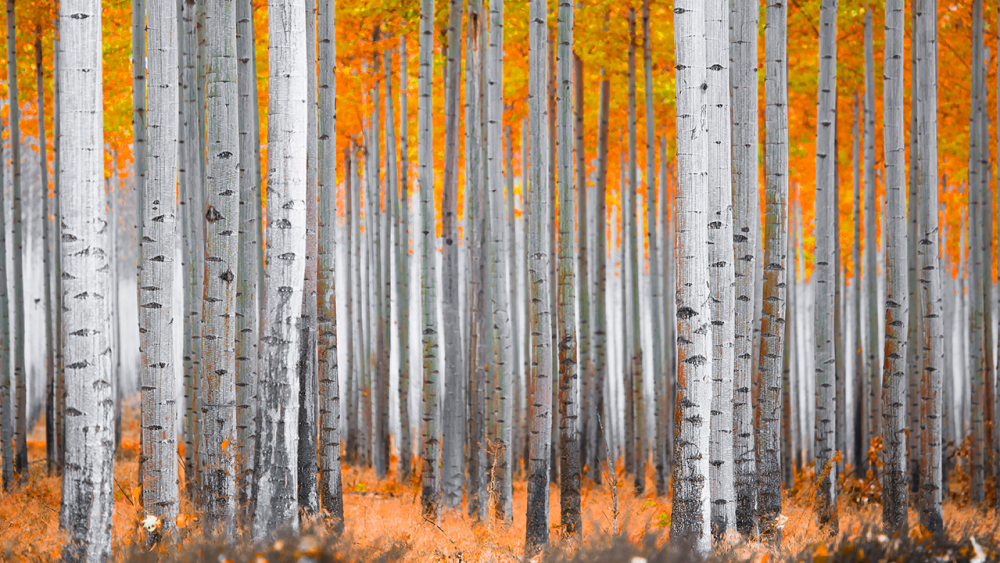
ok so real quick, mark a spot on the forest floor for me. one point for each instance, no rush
(384, 522)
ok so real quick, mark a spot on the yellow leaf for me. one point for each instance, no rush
(224, 445)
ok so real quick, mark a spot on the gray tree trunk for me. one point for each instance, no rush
(769, 403)
(635, 420)
(60, 376)
(858, 448)
(824, 272)
(308, 490)
(51, 391)
(975, 281)
(156, 272)
(746, 227)
(276, 464)
(569, 380)
(454, 381)
(930, 273)
(914, 336)
(600, 289)
(721, 269)
(894, 421)
(871, 246)
(403, 264)
(330, 416)
(539, 252)
(430, 440)
(691, 508)
(6, 420)
(247, 289)
(87, 490)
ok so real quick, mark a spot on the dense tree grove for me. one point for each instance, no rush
(227, 214)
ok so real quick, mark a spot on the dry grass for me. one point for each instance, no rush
(384, 523)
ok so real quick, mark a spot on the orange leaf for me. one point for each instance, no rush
(224, 445)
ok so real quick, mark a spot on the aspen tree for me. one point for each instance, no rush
(691, 507)
(502, 236)
(631, 213)
(539, 249)
(586, 429)
(156, 272)
(306, 364)
(769, 404)
(824, 272)
(894, 422)
(975, 281)
(929, 272)
(601, 368)
(60, 377)
(330, 413)
(6, 420)
(51, 402)
(403, 274)
(721, 270)
(430, 444)
(914, 338)
(87, 506)
(746, 229)
(858, 447)
(453, 407)
(871, 247)
(247, 288)
(350, 407)
(276, 464)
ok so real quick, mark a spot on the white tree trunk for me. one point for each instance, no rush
(277, 451)
(691, 501)
(871, 246)
(156, 273)
(87, 491)
(894, 421)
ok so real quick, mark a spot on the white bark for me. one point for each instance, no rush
(87, 492)
(277, 451)
(691, 501)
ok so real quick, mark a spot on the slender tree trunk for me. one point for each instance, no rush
(588, 417)
(403, 264)
(539, 252)
(600, 306)
(20, 375)
(721, 270)
(503, 240)
(330, 487)
(670, 317)
(871, 246)
(308, 491)
(914, 336)
(6, 420)
(691, 508)
(897, 299)
(350, 408)
(454, 381)
(824, 272)
(87, 490)
(276, 462)
(156, 272)
(769, 401)
(975, 282)
(247, 290)
(430, 443)
(60, 377)
(746, 225)
(569, 381)
(860, 396)
(930, 273)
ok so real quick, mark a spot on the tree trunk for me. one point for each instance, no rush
(588, 416)
(670, 318)
(721, 270)
(218, 389)
(600, 306)
(860, 437)
(977, 352)
(454, 382)
(276, 462)
(60, 376)
(824, 272)
(897, 299)
(914, 336)
(871, 246)
(430, 442)
(569, 382)
(6, 420)
(247, 290)
(20, 375)
(930, 273)
(769, 404)
(743, 47)
(537, 518)
(691, 508)
(330, 487)
(355, 334)
(502, 236)
(87, 491)
(308, 491)
(403, 264)
(156, 272)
